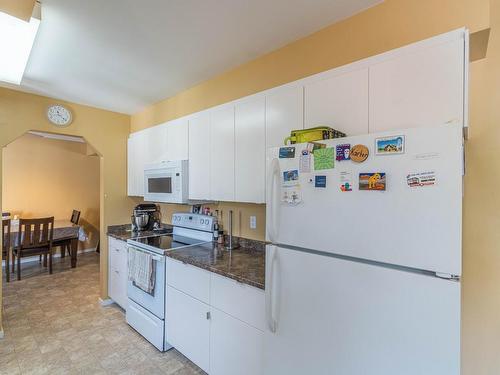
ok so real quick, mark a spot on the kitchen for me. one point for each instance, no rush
(404, 108)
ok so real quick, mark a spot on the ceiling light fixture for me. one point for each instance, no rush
(16, 40)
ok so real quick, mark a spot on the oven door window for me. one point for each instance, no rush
(160, 185)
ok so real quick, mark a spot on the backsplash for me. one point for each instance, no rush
(241, 216)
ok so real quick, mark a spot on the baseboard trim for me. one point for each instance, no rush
(106, 302)
(56, 255)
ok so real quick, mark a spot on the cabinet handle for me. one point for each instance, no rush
(208, 315)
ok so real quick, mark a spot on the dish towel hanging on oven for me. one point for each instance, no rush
(141, 270)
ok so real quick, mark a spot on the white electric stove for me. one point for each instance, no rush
(146, 311)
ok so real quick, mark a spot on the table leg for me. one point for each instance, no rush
(74, 250)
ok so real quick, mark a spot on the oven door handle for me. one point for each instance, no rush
(157, 258)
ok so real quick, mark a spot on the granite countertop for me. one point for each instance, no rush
(247, 264)
(124, 232)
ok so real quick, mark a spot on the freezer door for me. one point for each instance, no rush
(418, 227)
(327, 315)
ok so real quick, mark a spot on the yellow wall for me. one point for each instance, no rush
(48, 177)
(389, 25)
(106, 131)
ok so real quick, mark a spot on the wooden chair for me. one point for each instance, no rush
(6, 246)
(66, 244)
(34, 237)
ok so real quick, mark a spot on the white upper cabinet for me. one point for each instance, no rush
(250, 150)
(135, 168)
(131, 166)
(199, 156)
(339, 100)
(421, 87)
(155, 143)
(222, 153)
(177, 139)
(284, 113)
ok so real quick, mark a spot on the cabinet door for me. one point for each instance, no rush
(155, 144)
(235, 347)
(177, 139)
(284, 113)
(421, 88)
(199, 156)
(339, 101)
(117, 271)
(137, 143)
(188, 326)
(222, 153)
(131, 167)
(250, 150)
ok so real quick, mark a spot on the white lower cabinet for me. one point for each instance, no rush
(223, 336)
(235, 346)
(117, 271)
(188, 326)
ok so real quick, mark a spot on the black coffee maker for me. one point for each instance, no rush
(146, 217)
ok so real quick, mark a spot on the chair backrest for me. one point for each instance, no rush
(75, 217)
(5, 235)
(34, 233)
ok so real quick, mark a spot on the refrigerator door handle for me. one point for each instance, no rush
(272, 224)
(270, 295)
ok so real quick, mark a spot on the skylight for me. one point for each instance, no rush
(16, 40)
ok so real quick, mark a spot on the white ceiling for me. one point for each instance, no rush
(122, 55)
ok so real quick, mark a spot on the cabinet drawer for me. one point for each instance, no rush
(189, 279)
(148, 325)
(118, 259)
(242, 301)
(113, 242)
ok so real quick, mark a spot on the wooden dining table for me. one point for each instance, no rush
(63, 230)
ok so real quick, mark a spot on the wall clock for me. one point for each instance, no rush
(59, 115)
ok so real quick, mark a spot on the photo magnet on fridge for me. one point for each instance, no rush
(320, 181)
(324, 158)
(342, 152)
(291, 177)
(390, 145)
(287, 152)
(372, 181)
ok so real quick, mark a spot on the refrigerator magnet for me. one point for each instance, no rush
(291, 178)
(342, 152)
(390, 145)
(287, 152)
(421, 179)
(324, 158)
(372, 181)
(305, 162)
(291, 195)
(345, 181)
(320, 181)
(359, 153)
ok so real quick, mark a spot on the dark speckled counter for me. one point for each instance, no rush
(246, 264)
(124, 232)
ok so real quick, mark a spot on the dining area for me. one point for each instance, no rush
(27, 240)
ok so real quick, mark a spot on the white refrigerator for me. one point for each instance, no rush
(365, 281)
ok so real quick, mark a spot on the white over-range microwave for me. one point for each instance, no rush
(166, 182)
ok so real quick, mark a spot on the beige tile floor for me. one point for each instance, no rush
(54, 324)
